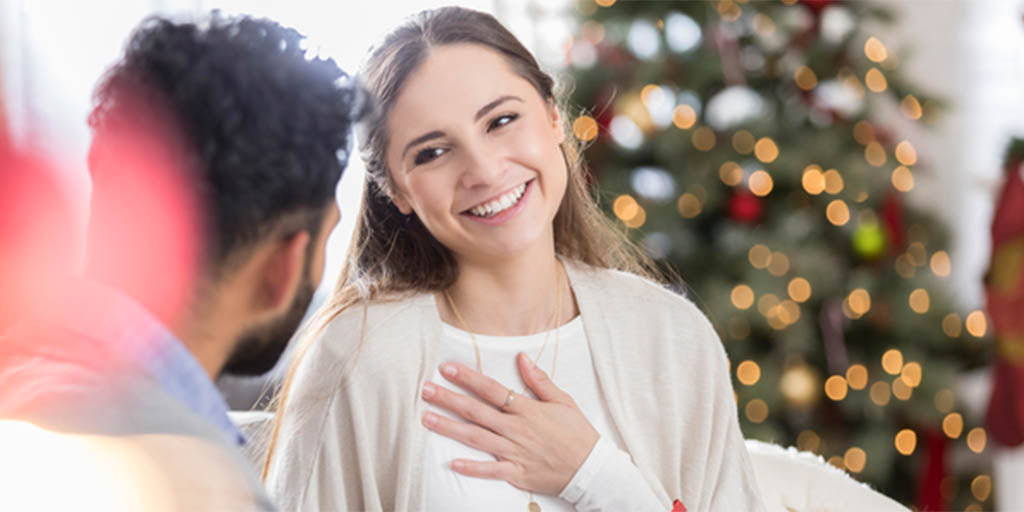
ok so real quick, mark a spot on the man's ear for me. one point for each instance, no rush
(279, 274)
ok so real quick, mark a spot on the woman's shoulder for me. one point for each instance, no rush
(619, 287)
(371, 330)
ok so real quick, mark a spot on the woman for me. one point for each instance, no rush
(478, 243)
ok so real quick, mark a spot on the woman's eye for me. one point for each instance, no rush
(427, 155)
(500, 121)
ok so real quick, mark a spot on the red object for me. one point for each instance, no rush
(745, 207)
(892, 216)
(933, 471)
(677, 506)
(1004, 289)
(816, 6)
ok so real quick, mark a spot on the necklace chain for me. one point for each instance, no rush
(533, 506)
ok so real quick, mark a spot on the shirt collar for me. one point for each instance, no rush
(103, 313)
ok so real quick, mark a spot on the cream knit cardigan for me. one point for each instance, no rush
(351, 438)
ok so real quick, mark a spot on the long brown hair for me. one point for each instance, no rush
(392, 255)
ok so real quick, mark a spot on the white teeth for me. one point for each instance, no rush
(500, 204)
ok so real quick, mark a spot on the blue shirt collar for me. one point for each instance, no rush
(116, 319)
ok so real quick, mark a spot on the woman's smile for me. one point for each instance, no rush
(503, 207)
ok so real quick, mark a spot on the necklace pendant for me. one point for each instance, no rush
(534, 507)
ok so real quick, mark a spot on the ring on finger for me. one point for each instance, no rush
(508, 400)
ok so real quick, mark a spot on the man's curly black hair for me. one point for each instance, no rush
(264, 130)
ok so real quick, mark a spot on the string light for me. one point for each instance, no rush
(813, 180)
(875, 50)
(760, 183)
(863, 132)
(976, 439)
(874, 153)
(981, 487)
(625, 207)
(638, 220)
(766, 150)
(837, 212)
(901, 390)
(911, 107)
(855, 459)
(779, 264)
(905, 441)
(760, 256)
(859, 301)
(976, 324)
(805, 78)
(880, 393)
(689, 205)
(919, 300)
(951, 325)
(857, 376)
(767, 303)
(905, 153)
(743, 142)
(684, 117)
(605, 3)
(833, 182)
(704, 139)
(808, 441)
(731, 173)
(875, 80)
(940, 264)
(799, 289)
(757, 410)
(918, 254)
(585, 128)
(902, 179)
(912, 374)
(742, 297)
(953, 425)
(892, 361)
(835, 388)
(748, 373)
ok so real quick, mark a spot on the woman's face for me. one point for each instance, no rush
(474, 152)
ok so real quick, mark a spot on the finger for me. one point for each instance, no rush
(466, 407)
(538, 381)
(469, 435)
(496, 470)
(492, 391)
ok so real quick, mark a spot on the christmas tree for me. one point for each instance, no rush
(742, 144)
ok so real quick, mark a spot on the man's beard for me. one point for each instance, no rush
(258, 351)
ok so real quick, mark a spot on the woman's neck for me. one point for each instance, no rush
(512, 297)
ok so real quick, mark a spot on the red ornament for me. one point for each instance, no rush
(931, 472)
(745, 207)
(892, 215)
(816, 6)
(677, 506)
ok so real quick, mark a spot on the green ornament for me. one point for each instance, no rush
(869, 240)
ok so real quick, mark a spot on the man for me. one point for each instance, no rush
(216, 151)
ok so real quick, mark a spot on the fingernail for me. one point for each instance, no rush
(429, 419)
(429, 390)
(449, 370)
(457, 465)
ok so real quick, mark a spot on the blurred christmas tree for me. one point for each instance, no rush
(742, 141)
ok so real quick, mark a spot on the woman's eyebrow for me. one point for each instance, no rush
(436, 134)
(493, 105)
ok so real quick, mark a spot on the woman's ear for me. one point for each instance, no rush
(400, 203)
(556, 121)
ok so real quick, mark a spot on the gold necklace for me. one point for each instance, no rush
(533, 506)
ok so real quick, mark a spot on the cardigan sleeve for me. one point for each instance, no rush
(609, 481)
(730, 476)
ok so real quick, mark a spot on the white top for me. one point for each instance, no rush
(607, 480)
(351, 436)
